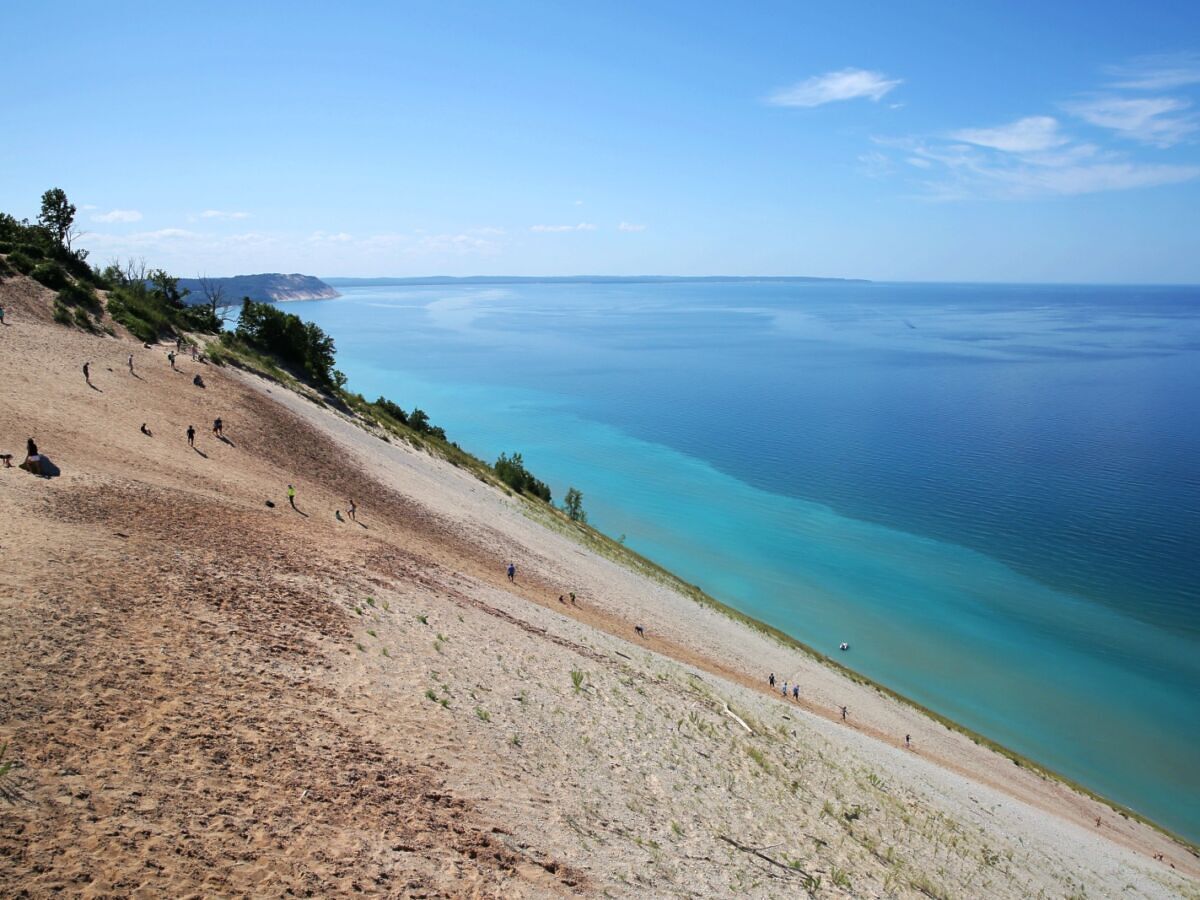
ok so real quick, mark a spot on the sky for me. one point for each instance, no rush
(1012, 141)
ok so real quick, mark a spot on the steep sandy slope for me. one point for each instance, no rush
(209, 696)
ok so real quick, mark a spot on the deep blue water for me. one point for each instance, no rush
(992, 492)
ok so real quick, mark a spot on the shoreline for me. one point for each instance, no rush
(1037, 777)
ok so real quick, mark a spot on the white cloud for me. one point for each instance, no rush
(845, 84)
(118, 215)
(327, 237)
(875, 164)
(630, 226)
(221, 214)
(582, 226)
(1151, 120)
(1022, 136)
(1158, 73)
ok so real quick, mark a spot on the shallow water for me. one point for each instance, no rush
(990, 491)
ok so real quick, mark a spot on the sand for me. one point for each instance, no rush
(206, 696)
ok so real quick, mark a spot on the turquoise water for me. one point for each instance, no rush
(990, 491)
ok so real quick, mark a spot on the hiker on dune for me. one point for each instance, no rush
(191, 433)
(87, 373)
(292, 496)
(512, 572)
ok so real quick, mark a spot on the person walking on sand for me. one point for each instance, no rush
(292, 497)
(573, 603)
(352, 509)
(908, 742)
(512, 572)
(217, 428)
(771, 680)
(2, 322)
(130, 363)
(785, 690)
(796, 692)
(87, 373)
(191, 433)
(171, 358)
(843, 714)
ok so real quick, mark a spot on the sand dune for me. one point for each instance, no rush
(207, 696)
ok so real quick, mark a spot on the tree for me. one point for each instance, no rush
(166, 286)
(214, 298)
(58, 217)
(573, 505)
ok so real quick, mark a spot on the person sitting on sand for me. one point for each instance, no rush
(198, 381)
(33, 459)
(145, 430)
(561, 599)
(337, 514)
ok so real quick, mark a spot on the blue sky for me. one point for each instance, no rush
(950, 141)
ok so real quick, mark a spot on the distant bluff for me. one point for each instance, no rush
(272, 287)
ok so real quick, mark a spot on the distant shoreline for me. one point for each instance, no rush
(588, 279)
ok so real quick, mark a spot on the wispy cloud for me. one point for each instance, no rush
(1042, 155)
(845, 84)
(582, 226)
(118, 215)
(1162, 72)
(1027, 135)
(630, 226)
(330, 237)
(1159, 121)
(222, 214)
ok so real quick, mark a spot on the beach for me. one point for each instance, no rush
(207, 694)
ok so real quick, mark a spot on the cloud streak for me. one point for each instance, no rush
(630, 226)
(222, 214)
(844, 84)
(582, 226)
(1158, 121)
(118, 215)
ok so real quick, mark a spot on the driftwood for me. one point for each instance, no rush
(757, 851)
(729, 712)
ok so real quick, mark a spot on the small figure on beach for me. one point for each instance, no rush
(641, 632)
(178, 343)
(146, 431)
(771, 679)
(352, 509)
(337, 514)
(908, 742)
(198, 381)
(785, 690)
(843, 714)
(561, 599)
(512, 572)
(572, 596)
(292, 496)
(2, 322)
(171, 358)
(130, 363)
(218, 427)
(796, 691)
(191, 433)
(87, 373)
(6, 458)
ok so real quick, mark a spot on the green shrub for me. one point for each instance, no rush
(5, 268)
(6, 247)
(511, 470)
(21, 262)
(78, 295)
(83, 320)
(33, 251)
(62, 315)
(51, 274)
